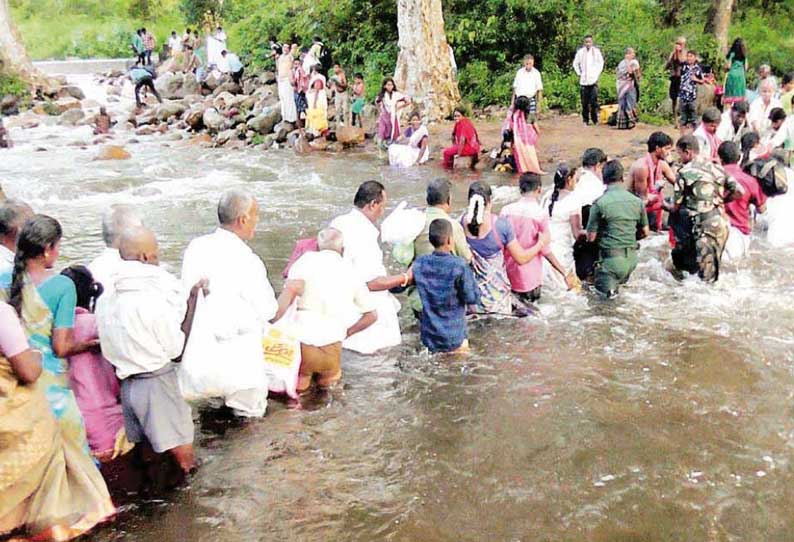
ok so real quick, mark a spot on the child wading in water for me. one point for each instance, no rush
(446, 286)
(358, 99)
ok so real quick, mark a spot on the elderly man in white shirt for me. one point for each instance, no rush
(115, 221)
(762, 106)
(143, 324)
(174, 43)
(528, 83)
(363, 252)
(226, 359)
(13, 215)
(333, 304)
(588, 65)
(733, 123)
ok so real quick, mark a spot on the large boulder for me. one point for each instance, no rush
(229, 87)
(190, 85)
(350, 135)
(250, 85)
(71, 91)
(71, 117)
(224, 99)
(170, 85)
(166, 110)
(213, 120)
(194, 117)
(264, 122)
(268, 78)
(112, 152)
(212, 82)
(65, 104)
(223, 137)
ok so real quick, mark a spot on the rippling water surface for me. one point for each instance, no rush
(663, 416)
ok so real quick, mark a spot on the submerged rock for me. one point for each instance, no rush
(71, 117)
(350, 135)
(71, 91)
(166, 110)
(112, 152)
(65, 104)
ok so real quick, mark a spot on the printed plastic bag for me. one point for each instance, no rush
(403, 225)
(282, 355)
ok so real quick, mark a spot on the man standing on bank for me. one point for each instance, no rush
(588, 65)
(617, 220)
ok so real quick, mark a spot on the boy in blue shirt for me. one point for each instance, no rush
(446, 286)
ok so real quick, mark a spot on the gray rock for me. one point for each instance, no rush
(268, 78)
(167, 110)
(250, 85)
(190, 85)
(213, 120)
(194, 117)
(282, 130)
(223, 137)
(170, 85)
(71, 117)
(73, 91)
(266, 120)
(230, 87)
(212, 82)
(9, 105)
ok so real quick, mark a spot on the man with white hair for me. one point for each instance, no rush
(115, 222)
(333, 304)
(236, 312)
(13, 215)
(763, 106)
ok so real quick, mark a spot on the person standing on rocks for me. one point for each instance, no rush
(138, 48)
(142, 77)
(338, 83)
(528, 83)
(149, 44)
(300, 84)
(286, 94)
(5, 141)
(588, 65)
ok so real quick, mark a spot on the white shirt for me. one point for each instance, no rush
(783, 134)
(527, 83)
(726, 131)
(363, 253)
(589, 188)
(140, 321)
(333, 298)
(6, 259)
(588, 65)
(241, 299)
(758, 117)
(104, 267)
(175, 44)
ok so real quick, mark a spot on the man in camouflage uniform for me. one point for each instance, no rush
(698, 220)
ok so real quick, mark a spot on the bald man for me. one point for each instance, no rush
(333, 304)
(226, 361)
(116, 220)
(143, 325)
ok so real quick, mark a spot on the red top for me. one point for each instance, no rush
(465, 128)
(738, 210)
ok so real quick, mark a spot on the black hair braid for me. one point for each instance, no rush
(560, 178)
(555, 195)
(18, 281)
(474, 226)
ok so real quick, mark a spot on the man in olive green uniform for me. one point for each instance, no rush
(439, 204)
(617, 220)
(698, 220)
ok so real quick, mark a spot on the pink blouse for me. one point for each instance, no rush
(12, 336)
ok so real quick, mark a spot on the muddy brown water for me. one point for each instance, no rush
(663, 416)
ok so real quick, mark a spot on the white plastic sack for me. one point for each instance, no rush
(220, 367)
(282, 355)
(403, 225)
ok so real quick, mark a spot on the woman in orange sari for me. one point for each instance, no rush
(465, 141)
(525, 136)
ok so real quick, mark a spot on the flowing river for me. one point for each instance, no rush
(666, 415)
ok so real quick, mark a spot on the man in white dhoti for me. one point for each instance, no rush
(286, 94)
(224, 356)
(333, 304)
(115, 221)
(363, 252)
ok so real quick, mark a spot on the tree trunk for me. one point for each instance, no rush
(14, 59)
(718, 21)
(424, 67)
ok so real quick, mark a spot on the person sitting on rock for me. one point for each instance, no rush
(102, 122)
(143, 77)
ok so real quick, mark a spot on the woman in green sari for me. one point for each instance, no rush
(735, 81)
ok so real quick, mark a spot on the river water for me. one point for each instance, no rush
(665, 415)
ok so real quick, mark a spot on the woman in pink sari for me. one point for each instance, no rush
(93, 378)
(465, 141)
(525, 136)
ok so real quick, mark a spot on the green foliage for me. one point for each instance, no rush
(198, 12)
(13, 85)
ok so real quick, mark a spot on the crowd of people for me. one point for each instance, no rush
(99, 361)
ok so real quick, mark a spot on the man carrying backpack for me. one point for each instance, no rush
(698, 220)
(738, 210)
